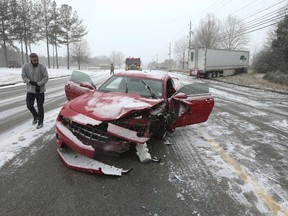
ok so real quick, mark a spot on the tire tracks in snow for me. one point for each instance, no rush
(266, 198)
(197, 178)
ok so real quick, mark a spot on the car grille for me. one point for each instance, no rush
(94, 133)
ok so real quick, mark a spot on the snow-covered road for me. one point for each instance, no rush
(242, 151)
(236, 163)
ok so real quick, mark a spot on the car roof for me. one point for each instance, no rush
(159, 75)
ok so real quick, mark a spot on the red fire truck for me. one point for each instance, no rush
(133, 63)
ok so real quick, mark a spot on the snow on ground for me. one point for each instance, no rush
(25, 134)
(13, 75)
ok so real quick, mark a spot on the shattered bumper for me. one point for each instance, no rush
(87, 141)
(79, 162)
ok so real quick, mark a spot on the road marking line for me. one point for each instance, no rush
(267, 199)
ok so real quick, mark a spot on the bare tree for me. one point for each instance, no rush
(180, 51)
(208, 32)
(117, 58)
(233, 35)
(80, 53)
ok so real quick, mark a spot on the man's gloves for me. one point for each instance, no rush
(33, 83)
(37, 87)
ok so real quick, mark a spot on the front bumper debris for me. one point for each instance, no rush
(79, 162)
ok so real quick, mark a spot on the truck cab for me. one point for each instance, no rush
(133, 64)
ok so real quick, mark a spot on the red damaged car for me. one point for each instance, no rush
(127, 110)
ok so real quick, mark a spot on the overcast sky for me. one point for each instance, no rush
(144, 28)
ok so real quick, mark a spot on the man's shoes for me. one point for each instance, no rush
(34, 121)
(40, 125)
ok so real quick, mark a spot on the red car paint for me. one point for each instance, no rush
(122, 111)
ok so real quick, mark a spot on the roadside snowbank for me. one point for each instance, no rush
(10, 76)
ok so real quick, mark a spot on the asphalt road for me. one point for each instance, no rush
(234, 164)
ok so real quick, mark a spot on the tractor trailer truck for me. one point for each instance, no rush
(208, 62)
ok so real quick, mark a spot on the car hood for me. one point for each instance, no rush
(110, 106)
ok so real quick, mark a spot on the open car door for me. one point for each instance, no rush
(79, 84)
(193, 103)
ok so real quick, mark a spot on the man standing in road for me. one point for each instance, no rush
(112, 69)
(35, 76)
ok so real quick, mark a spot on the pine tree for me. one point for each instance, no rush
(280, 45)
(55, 32)
(73, 28)
(5, 28)
(26, 25)
(46, 18)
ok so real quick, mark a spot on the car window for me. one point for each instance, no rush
(195, 88)
(134, 86)
(79, 77)
(114, 85)
(170, 88)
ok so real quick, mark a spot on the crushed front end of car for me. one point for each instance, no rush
(90, 137)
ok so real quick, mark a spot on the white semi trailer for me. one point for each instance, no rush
(207, 62)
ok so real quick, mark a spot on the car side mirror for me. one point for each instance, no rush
(87, 85)
(181, 95)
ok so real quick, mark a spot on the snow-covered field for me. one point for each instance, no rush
(13, 75)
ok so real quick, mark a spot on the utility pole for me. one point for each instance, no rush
(169, 67)
(189, 43)
(190, 34)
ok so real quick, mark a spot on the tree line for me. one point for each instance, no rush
(272, 59)
(27, 22)
(232, 34)
(212, 33)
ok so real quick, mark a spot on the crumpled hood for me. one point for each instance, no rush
(110, 106)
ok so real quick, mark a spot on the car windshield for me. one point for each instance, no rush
(133, 85)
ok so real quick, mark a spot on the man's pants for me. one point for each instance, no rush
(30, 99)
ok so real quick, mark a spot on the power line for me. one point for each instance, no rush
(260, 28)
(244, 7)
(265, 21)
(270, 18)
(270, 6)
(266, 16)
(210, 8)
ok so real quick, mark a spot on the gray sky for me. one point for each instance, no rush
(144, 28)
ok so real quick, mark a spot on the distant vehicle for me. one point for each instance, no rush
(204, 62)
(13, 64)
(133, 64)
(105, 66)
